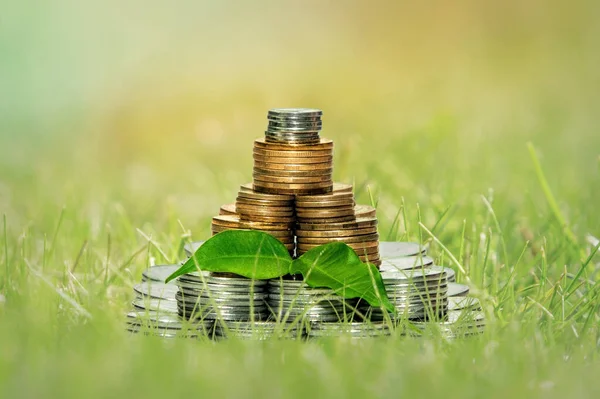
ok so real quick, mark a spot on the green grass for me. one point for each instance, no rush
(481, 138)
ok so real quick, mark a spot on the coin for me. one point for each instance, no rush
(262, 143)
(159, 273)
(347, 240)
(153, 304)
(465, 302)
(314, 153)
(279, 198)
(358, 224)
(324, 167)
(455, 289)
(235, 222)
(228, 209)
(295, 112)
(293, 160)
(156, 290)
(365, 211)
(292, 180)
(336, 233)
(450, 273)
(293, 173)
(397, 249)
(324, 213)
(322, 199)
(406, 262)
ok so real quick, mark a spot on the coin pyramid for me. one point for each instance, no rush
(293, 197)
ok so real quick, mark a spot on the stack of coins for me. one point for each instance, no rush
(258, 330)
(293, 169)
(210, 296)
(228, 209)
(292, 158)
(360, 234)
(294, 126)
(282, 231)
(417, 294)
(355, 330)
(457, 290)
(271, 213)
(294, 302)
(165, 325)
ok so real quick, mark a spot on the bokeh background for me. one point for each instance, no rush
(149, 108)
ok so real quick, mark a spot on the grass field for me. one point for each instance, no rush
(121, 134)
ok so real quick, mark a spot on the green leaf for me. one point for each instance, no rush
(336, 266)
(251, 254)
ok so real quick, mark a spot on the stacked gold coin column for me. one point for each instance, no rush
(269, 213)
(334, 217)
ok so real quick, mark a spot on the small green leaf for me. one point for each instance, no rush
(336, 266)
(251, 254)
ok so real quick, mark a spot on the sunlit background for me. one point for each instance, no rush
(153, 105)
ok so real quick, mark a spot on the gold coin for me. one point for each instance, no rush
(279, 234)
(228, 209)
(263, 143)
(317, 205)
(288, 220)
(328, 152)
(359, 251)
(254, 195)
(283, 206)
(292, 180)
(246, 187)
(365, 211)
(264, 210)
(324, 213)
(294, 191)
(293, 160)
(333, 197)
(328, 221)
(234, 221)
(306, 167)
(347, 240)
(335, 233)
(294, 173)
(357, 224)
(259, 185)
(342, 188)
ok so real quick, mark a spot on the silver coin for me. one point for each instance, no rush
(155, 319)
(450, 273)
(390, 249)
(465, 302)
(217, 288)
(213, 279)
(191, 248)
(455, 289)
(162, 332)
(412, 275)
(152, 304)
(156, 290)
(296, 124)
(466, 316)
(405, 263)
(159, 273)
(223, 295)
(295, 112)
(308, 317)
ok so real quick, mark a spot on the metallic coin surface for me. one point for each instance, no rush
(455, 289)
(405, 263)
(153, 304)
(156, 290)
(390, 249)
(159, 273)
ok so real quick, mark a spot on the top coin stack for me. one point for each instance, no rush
(292, 158)
(294, 125)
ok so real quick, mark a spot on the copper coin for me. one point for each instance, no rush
(228, 209)
(358, 224)
(293, 160)
(292, 180)
(293, 173)
(347, 240)
(365, 211)
(262, 143)
(335, 233)
(294, 167)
